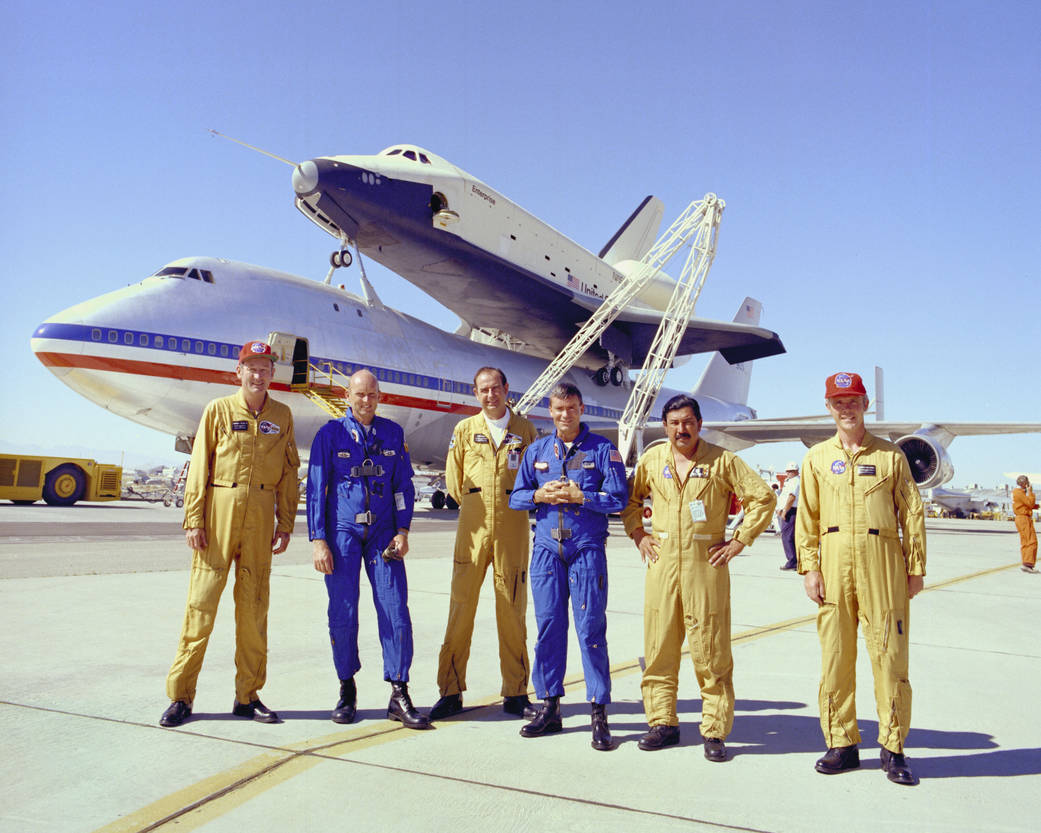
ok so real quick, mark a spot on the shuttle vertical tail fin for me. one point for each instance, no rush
(725, 381)
(637, 234)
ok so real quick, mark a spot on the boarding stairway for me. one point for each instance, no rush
(331, 395)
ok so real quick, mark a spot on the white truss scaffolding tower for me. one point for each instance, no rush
(673, 323)
(699, 221)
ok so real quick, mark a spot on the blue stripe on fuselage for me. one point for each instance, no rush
(147, 340)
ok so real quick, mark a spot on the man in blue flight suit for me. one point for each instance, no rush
(572, 480)
(359, 508)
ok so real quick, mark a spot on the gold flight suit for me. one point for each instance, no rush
(861, 524)
(1023, 506)
(243, 473)
(480, 477)
(683, 594)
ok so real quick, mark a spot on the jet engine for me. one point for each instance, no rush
(926, 451)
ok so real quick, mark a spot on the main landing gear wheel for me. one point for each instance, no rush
(341, 259)
(602, 377)
(64, 485)
(437, 499)
(617, 376)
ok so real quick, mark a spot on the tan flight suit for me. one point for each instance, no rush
(480, 478)
(684, 596)
(1023, 506)
(243, 473)
(861, 524)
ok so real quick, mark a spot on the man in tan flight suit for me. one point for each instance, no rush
(242, 479)
(687, 590)
(484, 455)
(860, 536)
(1023, 505)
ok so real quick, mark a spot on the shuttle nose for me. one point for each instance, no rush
(305, 178)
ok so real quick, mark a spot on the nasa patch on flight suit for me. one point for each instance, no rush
(666, 473)
(697, 511)
(239, 425)
(513, 457)
(480, 438)
(866, 471)
(838, 467)
(266, 427)
(542, 465)
(512, 439)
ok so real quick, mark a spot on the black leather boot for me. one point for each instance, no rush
(347, 705)
(400, 708)
(601, 733)
(546, 722)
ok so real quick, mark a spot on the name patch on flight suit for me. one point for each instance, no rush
(480, 438)
(343, 454)
(388, 452)
(589, 464)
(269, 428)
(542, 465)
(838, 467)
(240, 425)
(868, 471)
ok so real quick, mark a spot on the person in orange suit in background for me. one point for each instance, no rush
(1023, 506)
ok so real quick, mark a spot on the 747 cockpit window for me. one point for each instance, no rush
(204, 275)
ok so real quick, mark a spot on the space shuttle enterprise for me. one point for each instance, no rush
(513, 279)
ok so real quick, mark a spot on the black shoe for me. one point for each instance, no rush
(255, 710)
(715, 750)
(786, 567)
(521, 706)
(896, 768)
(601, 732)
(659, 737)
(176, 713)
(838, 759)
(400, 708)
(447, 706)
(546, 722)
(347, 705)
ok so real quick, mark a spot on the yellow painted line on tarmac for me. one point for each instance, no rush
(212, 797)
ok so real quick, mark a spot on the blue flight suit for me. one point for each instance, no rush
(568, 557)
(358, 514)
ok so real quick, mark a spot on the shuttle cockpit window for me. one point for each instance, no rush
(410, 154)
(423, 158)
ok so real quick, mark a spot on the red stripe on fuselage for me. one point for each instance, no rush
(223, 377)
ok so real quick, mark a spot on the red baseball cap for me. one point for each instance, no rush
(844, 384)
(253, 349)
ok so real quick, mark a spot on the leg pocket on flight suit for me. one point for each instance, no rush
(589, 597)
(512, 583)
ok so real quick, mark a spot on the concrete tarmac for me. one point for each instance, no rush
(91, 603)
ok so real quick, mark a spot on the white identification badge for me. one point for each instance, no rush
(513, 459)
(399, 501)
(697, 511)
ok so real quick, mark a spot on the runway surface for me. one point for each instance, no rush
(91, 602)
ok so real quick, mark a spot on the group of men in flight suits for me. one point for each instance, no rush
(861, 544)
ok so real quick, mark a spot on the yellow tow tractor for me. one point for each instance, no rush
(60, 481)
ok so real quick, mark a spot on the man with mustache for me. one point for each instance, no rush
(687, 589)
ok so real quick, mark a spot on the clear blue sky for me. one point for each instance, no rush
(880, 164)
